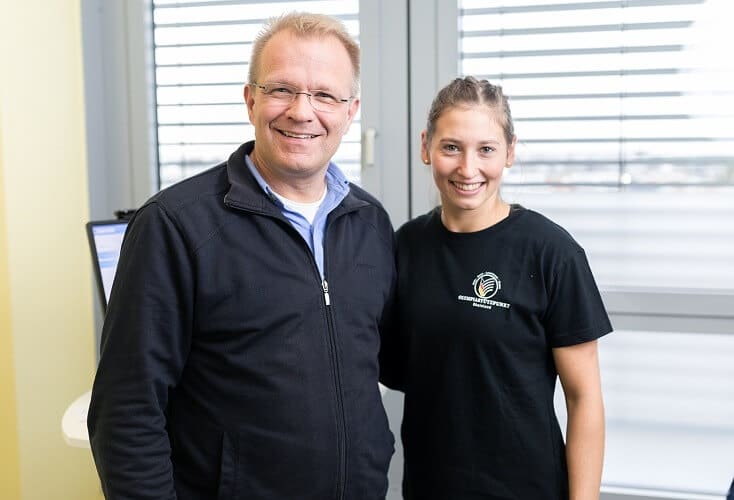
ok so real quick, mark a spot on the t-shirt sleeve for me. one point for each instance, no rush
(575, 313)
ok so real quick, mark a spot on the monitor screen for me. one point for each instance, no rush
(105, 241)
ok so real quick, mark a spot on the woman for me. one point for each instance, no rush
(495, 301)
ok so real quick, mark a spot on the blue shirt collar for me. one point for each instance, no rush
(336, 182)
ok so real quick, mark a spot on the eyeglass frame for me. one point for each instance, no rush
(309, 93)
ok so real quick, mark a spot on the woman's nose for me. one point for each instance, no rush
(468, 166)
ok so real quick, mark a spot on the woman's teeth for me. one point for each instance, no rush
(467, 187)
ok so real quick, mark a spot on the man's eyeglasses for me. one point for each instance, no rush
(282, 93)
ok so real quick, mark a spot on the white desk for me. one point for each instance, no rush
(74, 422)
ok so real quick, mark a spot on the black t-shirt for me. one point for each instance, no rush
(478, 315)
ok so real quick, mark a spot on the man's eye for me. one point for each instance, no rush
(324, 96)
(281, 90)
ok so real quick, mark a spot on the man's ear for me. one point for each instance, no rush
(352, 112)
(249, 95)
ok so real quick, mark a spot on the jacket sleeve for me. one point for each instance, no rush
(145, 342)
(393, 354)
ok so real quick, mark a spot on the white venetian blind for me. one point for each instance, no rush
(611, 93)
(202, 51)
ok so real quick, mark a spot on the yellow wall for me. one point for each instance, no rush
(47, 339)
(9, 473)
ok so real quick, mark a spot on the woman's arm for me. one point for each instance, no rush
(578, 370)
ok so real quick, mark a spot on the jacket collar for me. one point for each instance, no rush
(245, 193)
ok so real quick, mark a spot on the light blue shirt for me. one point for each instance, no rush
(337, 188)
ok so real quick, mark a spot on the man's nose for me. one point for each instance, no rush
(300, 109)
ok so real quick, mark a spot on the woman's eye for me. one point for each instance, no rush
(487, 149)
(451, 148)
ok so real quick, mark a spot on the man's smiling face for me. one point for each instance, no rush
(294, 141)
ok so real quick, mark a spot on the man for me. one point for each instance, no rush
(239, 351)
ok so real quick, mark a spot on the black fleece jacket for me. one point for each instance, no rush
(228, 369)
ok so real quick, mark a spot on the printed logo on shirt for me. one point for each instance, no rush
(485, 285)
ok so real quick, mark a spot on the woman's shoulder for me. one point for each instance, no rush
(543, 230)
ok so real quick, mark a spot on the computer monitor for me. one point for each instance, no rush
(105, 241)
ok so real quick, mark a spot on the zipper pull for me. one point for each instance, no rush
(325, 286)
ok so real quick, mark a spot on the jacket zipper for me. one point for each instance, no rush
(341, 417)
(331, 332)
(341, 423)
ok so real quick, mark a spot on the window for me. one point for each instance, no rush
(624, 112)
(202, 53)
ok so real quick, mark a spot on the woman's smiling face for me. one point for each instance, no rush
(468, 153)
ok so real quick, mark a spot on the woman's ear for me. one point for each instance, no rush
(511, 152)
(425, 156)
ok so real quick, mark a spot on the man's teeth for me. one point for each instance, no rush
(297, 136)
(467, 187)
